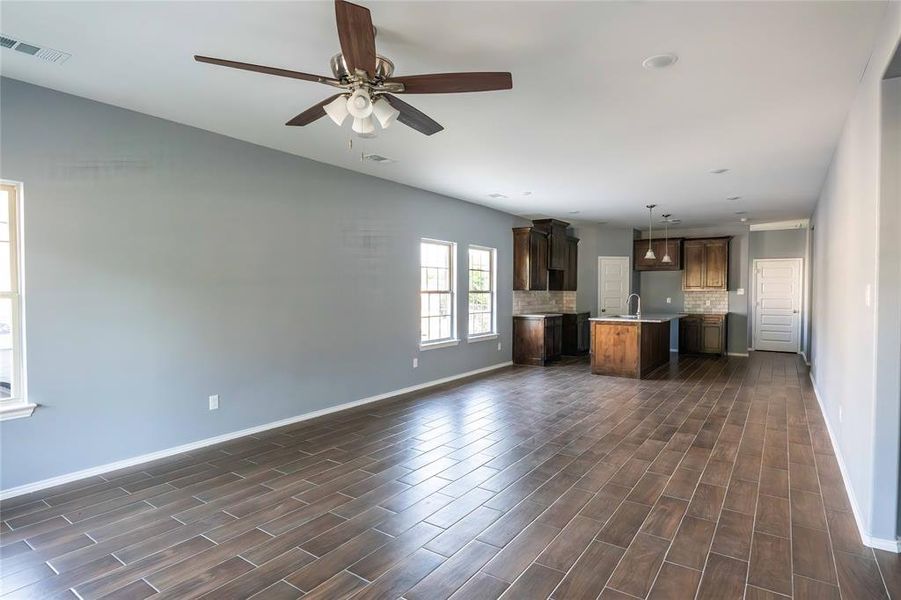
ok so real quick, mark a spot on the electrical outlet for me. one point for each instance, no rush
(498, 346)
(707, 303)
(415, 362)
(740, 291)
(669, 300)
(214, 402)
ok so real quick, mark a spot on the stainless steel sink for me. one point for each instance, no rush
(627, 316)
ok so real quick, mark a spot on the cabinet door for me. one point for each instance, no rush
(538, 248)
(716, 260)
(571, 275)
(558, 248)
(690, 335)
(694, 254)
(712, 336)
(640, 248)
(674, 248)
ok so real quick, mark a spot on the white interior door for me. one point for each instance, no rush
(614, 281)
(777, 304)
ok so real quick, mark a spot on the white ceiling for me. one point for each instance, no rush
(761, 88)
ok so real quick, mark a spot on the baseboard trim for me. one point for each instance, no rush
(804, 356)
(745, 354)
(225, 437)
(873, 542)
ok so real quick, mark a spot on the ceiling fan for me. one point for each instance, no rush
(367, 81)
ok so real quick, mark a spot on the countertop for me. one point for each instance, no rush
(537, 315)
(645, 318)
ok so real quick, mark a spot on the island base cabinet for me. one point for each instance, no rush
(537, 340)
(628, 349)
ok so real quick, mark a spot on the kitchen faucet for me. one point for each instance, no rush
(629, 299)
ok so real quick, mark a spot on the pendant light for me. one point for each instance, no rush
(649, 255)
(666, 257)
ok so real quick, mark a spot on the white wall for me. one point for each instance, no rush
(846, 262)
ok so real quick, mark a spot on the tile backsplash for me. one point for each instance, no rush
(696, 302)
(540, 302)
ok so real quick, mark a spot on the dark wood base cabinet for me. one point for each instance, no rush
(576, 334)
(702, 334)
(624, 349)
(537, 339)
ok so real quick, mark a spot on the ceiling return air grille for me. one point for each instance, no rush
(42, 52)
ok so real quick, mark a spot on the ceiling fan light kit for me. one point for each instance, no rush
(337, 110)
(367, 81)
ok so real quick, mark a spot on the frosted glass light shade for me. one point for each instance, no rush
(337, 109)
(384, 112)
(364, 126)
(666, 258)
(649, 255)
(359, 104)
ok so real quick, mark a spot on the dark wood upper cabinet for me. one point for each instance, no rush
(530, 253)
(571, 274)
(706, 264)
(557, 242)
(660, 246)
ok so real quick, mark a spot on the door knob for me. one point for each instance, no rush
(794, 311)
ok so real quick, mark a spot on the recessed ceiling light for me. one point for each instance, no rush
(741, 212)
(744, 219)
(496, 195)
(527, 193)
(659, 61)
(733, 198)
(718, 171)
(574, 212)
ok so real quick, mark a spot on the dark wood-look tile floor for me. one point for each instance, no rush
(713, 479)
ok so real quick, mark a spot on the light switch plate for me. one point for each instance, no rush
(415, 362)
(214, 402)
(740, 291)
(498, 346)
(669, 300)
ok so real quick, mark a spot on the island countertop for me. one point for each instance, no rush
(645, 318)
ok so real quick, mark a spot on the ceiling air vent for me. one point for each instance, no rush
(42, 52)
(378, 158)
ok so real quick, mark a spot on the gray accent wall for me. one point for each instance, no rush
(782, 243)
(165, 263)
(855, 236)
(595, 241)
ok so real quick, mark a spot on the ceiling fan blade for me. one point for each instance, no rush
(413, 117)
(450, 83)
(356, 35)
(311, 114)
(267, 70)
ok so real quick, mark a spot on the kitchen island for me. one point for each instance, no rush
(630, 346)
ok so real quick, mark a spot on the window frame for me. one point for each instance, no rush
(492, 334)
(452, 340)
(17, 405)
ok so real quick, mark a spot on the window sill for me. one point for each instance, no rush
(16, 410)
(481, 338)
(440, 344)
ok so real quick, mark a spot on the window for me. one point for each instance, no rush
(482, 318)
(436, 291)
(12, 381)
